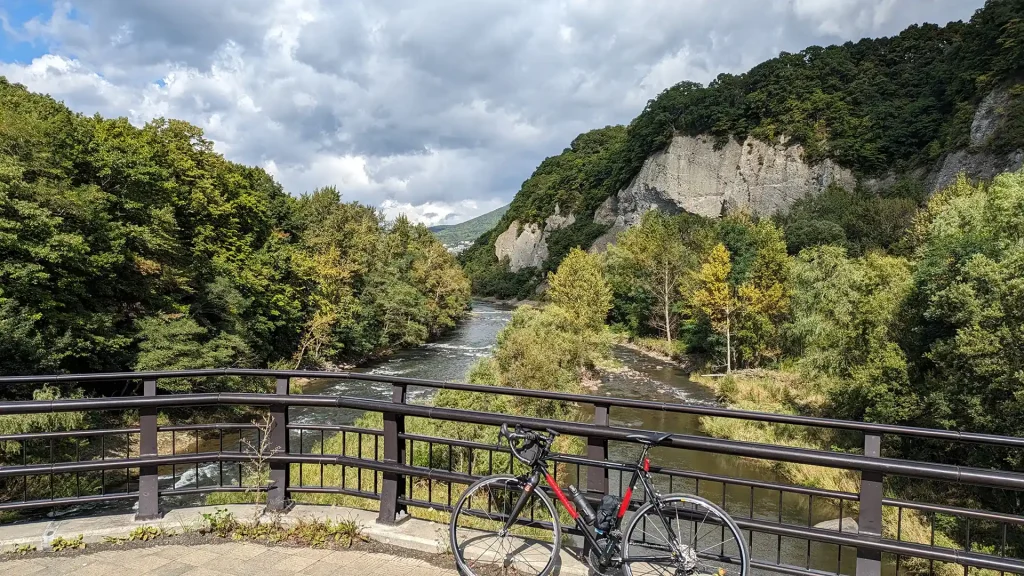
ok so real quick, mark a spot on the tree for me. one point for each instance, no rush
(714, 297)
(966, 312)
(763, 299)
(652, 255)
(579, 287)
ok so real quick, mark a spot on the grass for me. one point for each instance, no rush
(786, 392)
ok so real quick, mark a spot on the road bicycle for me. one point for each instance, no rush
(506, 524)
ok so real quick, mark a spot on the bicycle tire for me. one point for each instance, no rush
(679, 565)
(513, 484)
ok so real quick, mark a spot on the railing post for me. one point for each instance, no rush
(869, 521)
(277, 492)
(149, 489)
(394, 451)
(597, 449)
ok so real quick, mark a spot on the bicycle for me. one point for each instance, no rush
(526, 530)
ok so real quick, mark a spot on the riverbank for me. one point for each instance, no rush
(658, 349)
(512, 302)
(786, 392)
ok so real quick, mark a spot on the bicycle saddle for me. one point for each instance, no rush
(649, 439)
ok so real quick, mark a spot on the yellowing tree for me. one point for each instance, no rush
(579, 287)
(763, 300)
(713, 296)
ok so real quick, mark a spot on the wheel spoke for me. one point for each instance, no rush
(684, 557)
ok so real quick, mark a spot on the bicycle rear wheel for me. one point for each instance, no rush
(480, 549)
(683, 534)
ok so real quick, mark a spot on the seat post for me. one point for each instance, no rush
(643, 454)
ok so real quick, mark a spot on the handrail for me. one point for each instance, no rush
(871, 427)
(944, 472)
(393, 469)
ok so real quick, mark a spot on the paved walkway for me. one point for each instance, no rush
(229, 559)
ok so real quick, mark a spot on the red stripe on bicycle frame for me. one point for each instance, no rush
(561, 497)
(625, 502)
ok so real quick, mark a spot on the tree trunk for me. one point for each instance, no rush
(728, 342)
(668, 300)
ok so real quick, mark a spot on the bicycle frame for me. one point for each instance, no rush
(641, 473)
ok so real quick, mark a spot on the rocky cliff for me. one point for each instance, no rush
(976, 161)
(526, 246)
(694, 176)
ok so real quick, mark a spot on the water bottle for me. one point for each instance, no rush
(582, 506)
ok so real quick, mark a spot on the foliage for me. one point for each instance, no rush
(125, 247)
(647, 264)
(965, 312)
(314, 533)
(763, 299)
(876, 106)
(22, 549)
(470, 230)
(844, 310)
(59, 544)
(858, 220)
(714, 297)
(44, 422)
(581, 290)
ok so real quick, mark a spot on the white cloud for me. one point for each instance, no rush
(440, 108)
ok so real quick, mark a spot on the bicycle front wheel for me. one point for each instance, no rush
(477, 540)
(683, 534)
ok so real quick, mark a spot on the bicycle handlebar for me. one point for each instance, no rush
(524, 435)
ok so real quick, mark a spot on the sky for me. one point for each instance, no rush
(438, 109)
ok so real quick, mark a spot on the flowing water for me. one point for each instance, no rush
(641, 377)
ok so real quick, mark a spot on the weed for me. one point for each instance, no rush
(221, 522)
(319, 533)
(22, 549)
(59, 544)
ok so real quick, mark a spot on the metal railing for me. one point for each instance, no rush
(403, 470)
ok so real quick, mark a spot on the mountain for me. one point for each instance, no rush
(464, 233)
(886, 117)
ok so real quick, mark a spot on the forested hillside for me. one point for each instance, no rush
(878, 107)
(456, 234)
(142, 248)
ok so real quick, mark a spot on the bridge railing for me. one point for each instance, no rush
(385, 464)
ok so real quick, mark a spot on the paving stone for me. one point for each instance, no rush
(230, 559)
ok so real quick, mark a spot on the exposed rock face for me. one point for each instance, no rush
(529, 248)
(975, 162)
(692, 176)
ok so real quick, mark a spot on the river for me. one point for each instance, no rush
(642, 377)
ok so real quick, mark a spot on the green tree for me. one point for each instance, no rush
(714, 298)
(652, 255)
(763, 300)
(579, 287)
(967, 310)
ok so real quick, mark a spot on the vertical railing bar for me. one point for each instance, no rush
(149, 492)
(78, 478)
(344, 452)
(778, 552)
(322, 442)
(394, 451)
(277, 444)
(220, 446)
(103, 456)
(869, 521)
(597, 449)
(51, 473)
